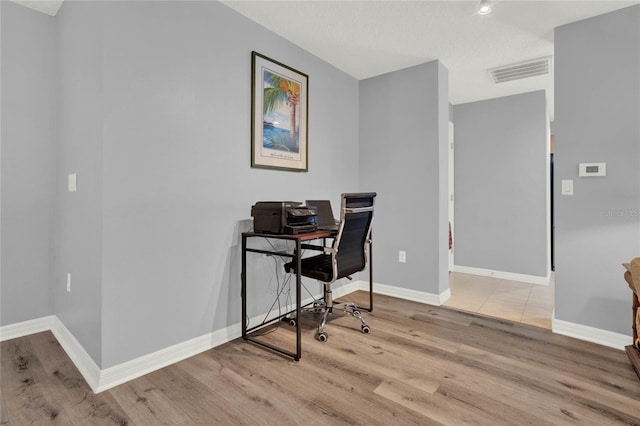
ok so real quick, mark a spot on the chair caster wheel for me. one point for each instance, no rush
(291, 321)
(356, 313)
(323, 336)
(366, 329)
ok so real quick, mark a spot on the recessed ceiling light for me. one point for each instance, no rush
(485, 7)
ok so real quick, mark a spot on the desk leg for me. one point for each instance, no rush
(298, 255)
(370, 276)
(243, 288)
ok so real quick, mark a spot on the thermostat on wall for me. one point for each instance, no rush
(592, 169)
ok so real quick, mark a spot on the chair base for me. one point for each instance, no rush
(349, 309)
(320, 307)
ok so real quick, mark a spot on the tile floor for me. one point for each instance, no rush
(512, 300)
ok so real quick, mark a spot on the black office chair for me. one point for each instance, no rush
(347, 256)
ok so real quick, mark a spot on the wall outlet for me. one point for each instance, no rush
(402, 256)
(69, 282)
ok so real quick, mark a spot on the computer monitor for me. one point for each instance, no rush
(324, 213)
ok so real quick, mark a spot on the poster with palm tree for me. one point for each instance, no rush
(279, 109)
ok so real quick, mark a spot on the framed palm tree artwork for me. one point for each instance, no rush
(279, 109)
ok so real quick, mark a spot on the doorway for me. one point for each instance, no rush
(451, 197)
(480, 291)
(552, 146)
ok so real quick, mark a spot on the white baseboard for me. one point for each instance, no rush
(101, 380)
(388, 290)
(444, 296)
(531, 279)
(590, 334)
(130, 370)
(19, 329)
(137, 367)
(82, 360)
(407, 294)
(350, 287)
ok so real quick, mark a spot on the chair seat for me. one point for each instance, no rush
(317, 267)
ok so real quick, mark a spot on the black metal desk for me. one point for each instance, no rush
(299, 241)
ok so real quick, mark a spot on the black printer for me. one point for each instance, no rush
(283, 217)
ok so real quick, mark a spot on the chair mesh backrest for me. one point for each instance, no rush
(356, 216)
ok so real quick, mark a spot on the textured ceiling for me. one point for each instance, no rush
(369, 38)
(50, 7)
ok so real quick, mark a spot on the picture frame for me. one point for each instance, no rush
(279, 109)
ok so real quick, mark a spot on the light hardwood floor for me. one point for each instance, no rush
(421, 365)
(513, 300)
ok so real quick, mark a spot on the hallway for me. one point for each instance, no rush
(516, 301)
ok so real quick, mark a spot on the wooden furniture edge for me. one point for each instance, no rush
(634, 357)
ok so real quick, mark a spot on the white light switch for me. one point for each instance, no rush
(72, 183)
(567, 187)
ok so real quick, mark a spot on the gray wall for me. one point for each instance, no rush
(1, 137)
(174, 176)
(28, 154)
(403, 138)
(501, 184)
(597, 95)
(149, 103)
(78, 218)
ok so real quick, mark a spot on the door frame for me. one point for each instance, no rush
(451, 194)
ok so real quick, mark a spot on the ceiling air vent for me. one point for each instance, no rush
(521, 70)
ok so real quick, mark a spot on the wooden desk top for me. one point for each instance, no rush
(306, 236)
